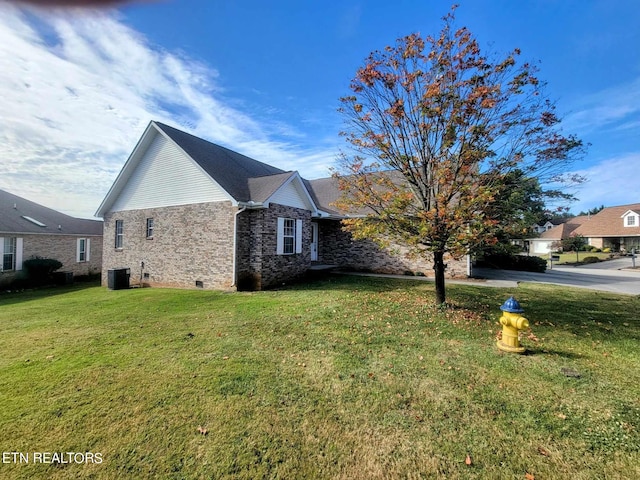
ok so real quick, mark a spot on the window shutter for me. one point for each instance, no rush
(298, 236)
(87, 248)
(19, 249)
(1, 254)
(279, 237)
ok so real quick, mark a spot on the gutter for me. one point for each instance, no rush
(243, 206)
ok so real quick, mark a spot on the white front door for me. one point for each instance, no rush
(314, 242)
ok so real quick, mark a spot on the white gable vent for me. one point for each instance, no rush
(34, 221)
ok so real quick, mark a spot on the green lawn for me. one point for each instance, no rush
(570, 257)
(345, 378)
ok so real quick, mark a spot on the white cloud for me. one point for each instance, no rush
(612, 182)
(613, 108)
(77, 90)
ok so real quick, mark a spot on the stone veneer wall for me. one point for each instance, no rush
(62, 248)
(191, 243)
(337, 247)
(259, 266)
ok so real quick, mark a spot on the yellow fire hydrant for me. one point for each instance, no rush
(512, 322)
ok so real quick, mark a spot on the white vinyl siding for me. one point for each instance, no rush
(83, 250)
(165, 176)
(289, 236)
(291, 196)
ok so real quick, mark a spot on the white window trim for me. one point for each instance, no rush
(297, 246)
(150, 237)
(19, 250)
(87, 250)
(17, 253)
(119, 247)
(635, 221)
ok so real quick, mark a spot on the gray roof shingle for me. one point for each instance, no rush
(13, 209)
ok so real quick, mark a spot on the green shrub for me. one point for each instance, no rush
(606, 250)
(595, 250)
(39, 269)
(590, 260)
(514, 262)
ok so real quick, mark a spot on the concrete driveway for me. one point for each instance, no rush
(604, 276)
(615, 264)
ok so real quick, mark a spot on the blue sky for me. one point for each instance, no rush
(78, 86)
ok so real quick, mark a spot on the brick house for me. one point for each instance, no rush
(29, 230)
(617, 228)
(185, 212)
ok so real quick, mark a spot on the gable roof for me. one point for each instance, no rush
(631, 211)
(21, 216)
(241, 178)
(231, 170)
(564, 230)
(608, 223)
(261, 188)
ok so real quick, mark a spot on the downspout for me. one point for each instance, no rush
(244, 206)
(235, 244)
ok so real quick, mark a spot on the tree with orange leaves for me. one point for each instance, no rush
(435, 127)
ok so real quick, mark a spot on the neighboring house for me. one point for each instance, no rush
(29, 230)
(617, 228)
(542, 228)
(544, 243)
(188, 213)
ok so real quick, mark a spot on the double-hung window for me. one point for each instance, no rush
(119, 233)
(9, 254)
(149, 228)
(631, 221)
(83, 249)
(289, 236)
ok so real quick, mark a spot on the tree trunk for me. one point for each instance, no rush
(438, 267)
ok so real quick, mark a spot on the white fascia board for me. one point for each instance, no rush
(627, 213)
(327, 215)
(125, 172)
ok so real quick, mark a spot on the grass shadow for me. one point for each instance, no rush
(536, 351)
(31, 294)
